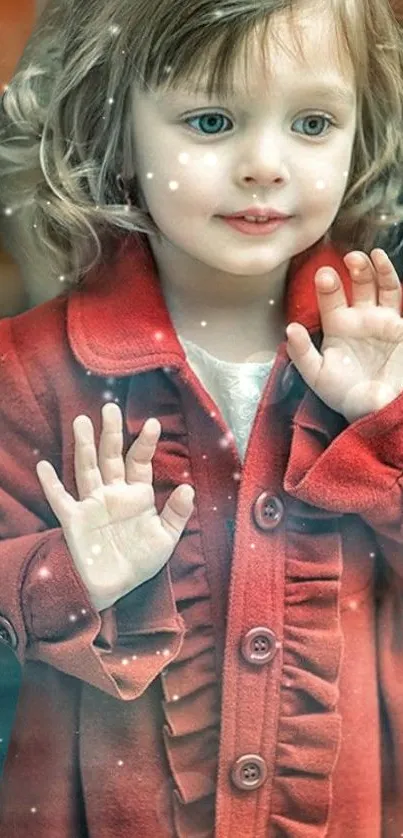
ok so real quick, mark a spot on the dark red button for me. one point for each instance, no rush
(249, 772)
(259, 645)
(268, 511)
(7, 634)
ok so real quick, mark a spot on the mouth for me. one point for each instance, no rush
(253, 225)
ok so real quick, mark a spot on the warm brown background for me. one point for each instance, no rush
(16, 20)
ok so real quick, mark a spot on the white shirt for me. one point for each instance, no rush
(235, 388)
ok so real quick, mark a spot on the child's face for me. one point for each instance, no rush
(272, 146)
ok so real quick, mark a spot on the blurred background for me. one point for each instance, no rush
(16, 21)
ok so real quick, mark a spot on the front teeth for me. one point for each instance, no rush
(255, 219)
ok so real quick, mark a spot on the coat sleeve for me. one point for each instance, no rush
(352, 469)
(45, 611)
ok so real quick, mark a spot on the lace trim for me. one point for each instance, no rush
(236, 388)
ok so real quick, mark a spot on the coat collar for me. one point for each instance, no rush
(118, 322)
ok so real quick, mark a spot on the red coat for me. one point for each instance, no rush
(258, 679)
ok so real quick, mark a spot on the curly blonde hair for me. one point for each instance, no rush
(67, 122)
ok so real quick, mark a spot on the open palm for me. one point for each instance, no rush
(359, 367)
(114, 533)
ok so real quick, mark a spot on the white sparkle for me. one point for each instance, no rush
(48, 203)
(166, 653)
(185, 475)
(44, 573)
(114, 29)
(108, 395)
(225, 440)
(110, 381)
(167, 68)
(175, 697)
(214, 509)
(183, 158)
(61, 278)
(8, 211)
(134, 657)
(204, 456)
(90, 561)
(229, 497)
(150, 175)
(236, 476)
(111, 100)
(210, 159)
(120, 763)
(33, 809)
(125, 661)
(4, 88)
(218, 13)
(384, 217)
(35, 226)
(158, 336)
(320, 184)
(213, 414)
(353, 605)
(173, 185)
(253, 546)
(88, 372)
(158, 652)
(73, 618)
(83, 611)
(272, 302)
(203, 323)
(36, 452)
(372, 555)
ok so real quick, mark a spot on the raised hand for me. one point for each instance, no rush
(359, 368)
(114, 533)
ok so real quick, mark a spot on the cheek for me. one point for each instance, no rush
(325, 182)
(181, 181)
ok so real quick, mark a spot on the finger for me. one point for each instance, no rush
(330, 294)
(140, 454)
(111, 463)
(177, 510)
(61, 503)
(303, 353)
(363, 274)
(87, 474)
(389, 287)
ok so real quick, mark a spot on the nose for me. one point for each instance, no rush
(262, 161)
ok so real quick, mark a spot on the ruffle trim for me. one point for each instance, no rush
(190, 688)
(309, 730)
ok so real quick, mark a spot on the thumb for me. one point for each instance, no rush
(177, 510)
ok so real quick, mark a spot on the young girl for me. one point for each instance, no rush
(204, 580)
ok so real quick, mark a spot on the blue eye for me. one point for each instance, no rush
(312, 121)
(210, 123)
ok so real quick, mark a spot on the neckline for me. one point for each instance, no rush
(247, 365)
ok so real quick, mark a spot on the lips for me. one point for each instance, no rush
(257, 214)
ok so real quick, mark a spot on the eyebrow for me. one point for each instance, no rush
(332, 92)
